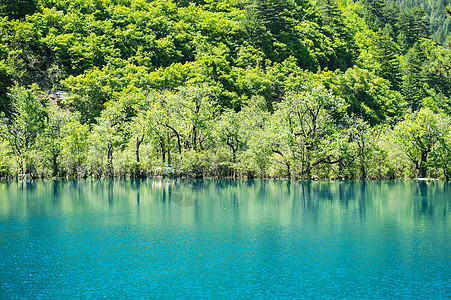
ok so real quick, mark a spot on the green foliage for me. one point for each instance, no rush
(370, 96)
(26, 122)
(418, 136)
(111, 132)
(304, 118)
(435, 15)
(440, 158)
(386, 54)
(346, 49)
(17, 8)
(261, 88)
(75, 145)
(5, 158)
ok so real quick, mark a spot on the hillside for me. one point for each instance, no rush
(264, 88)
(436, 15)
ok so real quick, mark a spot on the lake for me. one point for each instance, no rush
(224, 239)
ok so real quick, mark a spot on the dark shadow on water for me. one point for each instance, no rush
(56, 191)
(165, 198)
(138, 183)
(362, 203)
(110, 185)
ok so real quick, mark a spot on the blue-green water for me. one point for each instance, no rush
(224, 239)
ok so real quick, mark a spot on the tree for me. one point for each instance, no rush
(344, 43)
(273, 14)
(26, 122)
(413, 81)
(230, 131)
(154, 124)
(75, 146)
(5, 158)
(336, 154)
(89, 93)
(412, 26)
(306, 117)
(111, 131)
(51, 137)
(369, 96)
(373, 12)
(194, 108)
(441, 157)
(253, 24)
(5, 82)
(16, 9)
(361, 134)
(386, 55)
(418, 136)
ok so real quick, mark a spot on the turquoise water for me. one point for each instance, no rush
(224, 239)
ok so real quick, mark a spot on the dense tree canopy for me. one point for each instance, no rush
(266, 88)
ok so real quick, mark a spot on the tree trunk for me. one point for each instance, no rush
(234, 150)
(138, 143)
(22, 164)
(340, 168)
(163, 151)
(138, 172)
(288, 169)
(422, 169)
(179, 144)
(194, 138)
(54, 165)
(362, 162)
(307, 166)
(109, 159)
(169, 149)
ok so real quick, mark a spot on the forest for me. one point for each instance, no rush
(293, 89)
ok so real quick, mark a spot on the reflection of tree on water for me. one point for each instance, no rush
(426, 192)
(27, 184)
(262, 193)
(138, 185)
(110, 192)
(182, 192)
(56, 192)
(189, 193)
(362, 199)
(312, 195)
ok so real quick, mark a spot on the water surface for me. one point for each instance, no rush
(224, 239)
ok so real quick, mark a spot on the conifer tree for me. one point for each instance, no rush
(386, 55)
(333, 19)
(413, 83)
(373, 12)
(16, 9)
